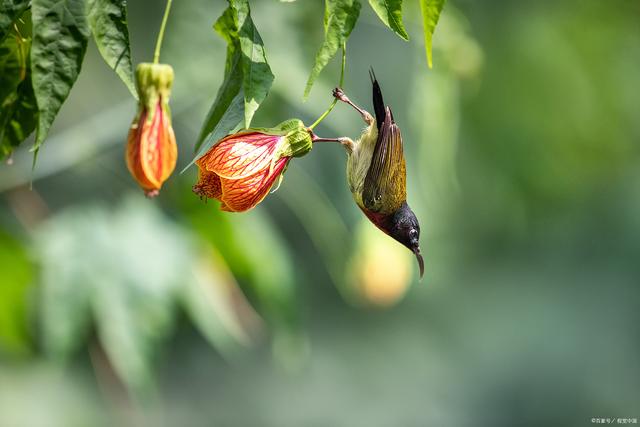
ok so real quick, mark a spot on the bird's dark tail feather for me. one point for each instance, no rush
(378, 102)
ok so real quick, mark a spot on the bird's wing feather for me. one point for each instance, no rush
(385, 183)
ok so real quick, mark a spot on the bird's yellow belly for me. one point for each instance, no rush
(359, 162)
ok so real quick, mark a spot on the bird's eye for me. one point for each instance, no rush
(413, 233)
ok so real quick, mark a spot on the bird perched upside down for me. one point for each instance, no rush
(377, 175)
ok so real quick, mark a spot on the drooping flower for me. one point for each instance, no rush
(240, 169)
(151, 145)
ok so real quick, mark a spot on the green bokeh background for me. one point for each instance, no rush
(523, 165)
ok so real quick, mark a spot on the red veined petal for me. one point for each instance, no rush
(240, 195)
(133, 154)
(241, 155)
(158, 149)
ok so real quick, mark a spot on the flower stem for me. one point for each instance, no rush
(335, 100)
(156, 53)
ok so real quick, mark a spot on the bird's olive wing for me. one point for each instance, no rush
(385, 183)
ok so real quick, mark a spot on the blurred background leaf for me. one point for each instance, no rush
(257, 256)
(130, 269)
(15, 338)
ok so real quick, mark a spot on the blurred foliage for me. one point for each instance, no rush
(14, 286)
(258, 258)
(130, 270)
(522, 161)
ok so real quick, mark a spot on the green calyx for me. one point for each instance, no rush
(297, 139)
(297, 143)
(154, 83)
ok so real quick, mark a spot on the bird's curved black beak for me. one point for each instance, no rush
(416, 251)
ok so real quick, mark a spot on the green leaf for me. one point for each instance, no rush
(229, 122)
(13, 65)
(60, 34)
(430, 14)
(14, 285)
(227, 27)
(18, 111)
(20, 117)
(232, 84)
(340, 17)
(108, 23)
(390, 12)
(257, 76)
(247, 81)
(226, 99)
(10, 11)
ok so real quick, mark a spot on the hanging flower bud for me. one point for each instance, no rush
(240, 169)
(151, 145)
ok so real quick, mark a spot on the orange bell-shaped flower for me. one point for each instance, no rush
(151, 145)
(241, 168)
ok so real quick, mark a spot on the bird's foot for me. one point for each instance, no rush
(347, 143)
(339, 94)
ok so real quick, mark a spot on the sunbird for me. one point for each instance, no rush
(377, 175)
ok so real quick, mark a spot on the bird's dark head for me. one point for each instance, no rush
(404, 227)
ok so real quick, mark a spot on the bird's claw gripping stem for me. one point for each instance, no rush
(340, 96)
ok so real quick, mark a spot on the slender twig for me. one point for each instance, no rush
(156, 54)
(335, 100)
